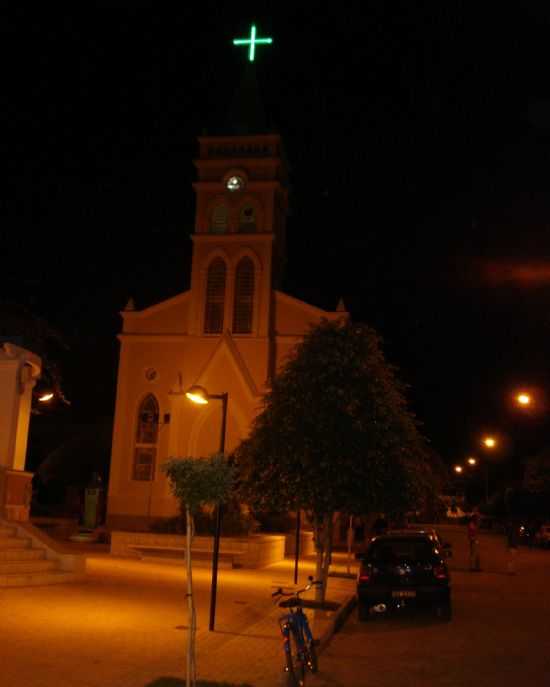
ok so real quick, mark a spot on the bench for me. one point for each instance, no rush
(176, 555)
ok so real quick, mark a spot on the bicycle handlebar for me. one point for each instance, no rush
(297, 592)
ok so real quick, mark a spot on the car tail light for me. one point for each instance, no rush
(365, 576)
(440, 572)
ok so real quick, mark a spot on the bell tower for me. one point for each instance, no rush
(241, 208)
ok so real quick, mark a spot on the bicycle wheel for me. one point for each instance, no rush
(295, 668)
(311, 657)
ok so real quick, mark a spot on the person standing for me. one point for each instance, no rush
(380, 525)
(512, 536)
(473, 539)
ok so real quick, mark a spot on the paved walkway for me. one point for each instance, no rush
(125, 626)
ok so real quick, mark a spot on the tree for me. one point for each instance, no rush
(23, 327)
(196, 482)
(334, 435)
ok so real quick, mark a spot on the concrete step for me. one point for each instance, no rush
(32, 566)
(175, 555)
(22, 554)
(39, 578)
(198, 562)
(14, 543)
(7, 531)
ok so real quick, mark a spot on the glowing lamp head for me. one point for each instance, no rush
(198, 395)
(46, 396)
(472, 461)
(489, 442)
(523, 399)
(458, 469)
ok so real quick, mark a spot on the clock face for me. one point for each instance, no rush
(234, 183)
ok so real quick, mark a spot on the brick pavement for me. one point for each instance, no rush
(125, 626)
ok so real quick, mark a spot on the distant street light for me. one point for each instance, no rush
(458, 469)
(472, 461)
(489, 442)
(523, 399)
(199, 395)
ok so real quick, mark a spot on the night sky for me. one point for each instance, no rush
(418, 140)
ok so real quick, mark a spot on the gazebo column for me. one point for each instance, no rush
(19, 370)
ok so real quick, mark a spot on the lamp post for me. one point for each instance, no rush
(490, 443)
(199, 395)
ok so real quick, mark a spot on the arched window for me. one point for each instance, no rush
(244, 297)
(219, 219)
(247, 220)
(215, 297)
(145, 453)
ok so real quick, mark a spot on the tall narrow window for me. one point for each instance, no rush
(247, 220)
(219, 219)
(215, 297)
(145, 452)
(244, 297)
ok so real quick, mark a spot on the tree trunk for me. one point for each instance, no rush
(327, 553)
(191, 676)
(349, 541)
(322, 534)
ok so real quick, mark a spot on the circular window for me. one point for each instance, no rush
(151, 374)
(234, 183)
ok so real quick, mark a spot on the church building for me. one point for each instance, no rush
(229, 333)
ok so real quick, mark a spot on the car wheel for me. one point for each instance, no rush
(363, 612)
(444, 611)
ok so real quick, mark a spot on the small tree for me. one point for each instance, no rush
(334, 435)
(196, 482)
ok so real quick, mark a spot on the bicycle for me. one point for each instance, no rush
(299, 645)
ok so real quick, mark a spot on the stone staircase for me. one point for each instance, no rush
(22, 564)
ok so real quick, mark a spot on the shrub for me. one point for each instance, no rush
(237, 521)
(271, 521)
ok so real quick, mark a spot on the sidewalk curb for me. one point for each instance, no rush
(337, 621)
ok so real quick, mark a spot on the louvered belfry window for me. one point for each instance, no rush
(244, 297)
(215, 297)
(219, 219)
(145, 451)
(247, 220)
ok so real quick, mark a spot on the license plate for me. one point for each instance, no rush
(402, 594)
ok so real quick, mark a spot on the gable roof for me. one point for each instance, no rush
(311, 310)
(156, 308)
(226, 346)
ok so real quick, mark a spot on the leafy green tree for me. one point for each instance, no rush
(196, 482)
(335, 435)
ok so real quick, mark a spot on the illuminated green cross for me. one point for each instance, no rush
(252, 42)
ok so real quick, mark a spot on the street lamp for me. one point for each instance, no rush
(489, 442)
(472, 461)
(45, 397)
(199, 395)
(458, 469)
(523, 399)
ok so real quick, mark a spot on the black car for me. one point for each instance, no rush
(403, 570)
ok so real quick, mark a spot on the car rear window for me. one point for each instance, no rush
(390, 550)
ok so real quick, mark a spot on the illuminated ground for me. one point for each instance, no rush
(125, 626)
(499, 636)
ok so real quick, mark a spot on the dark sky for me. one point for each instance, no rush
(418, 139)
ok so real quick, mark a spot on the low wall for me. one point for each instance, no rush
(255, 551)
(307, 544)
